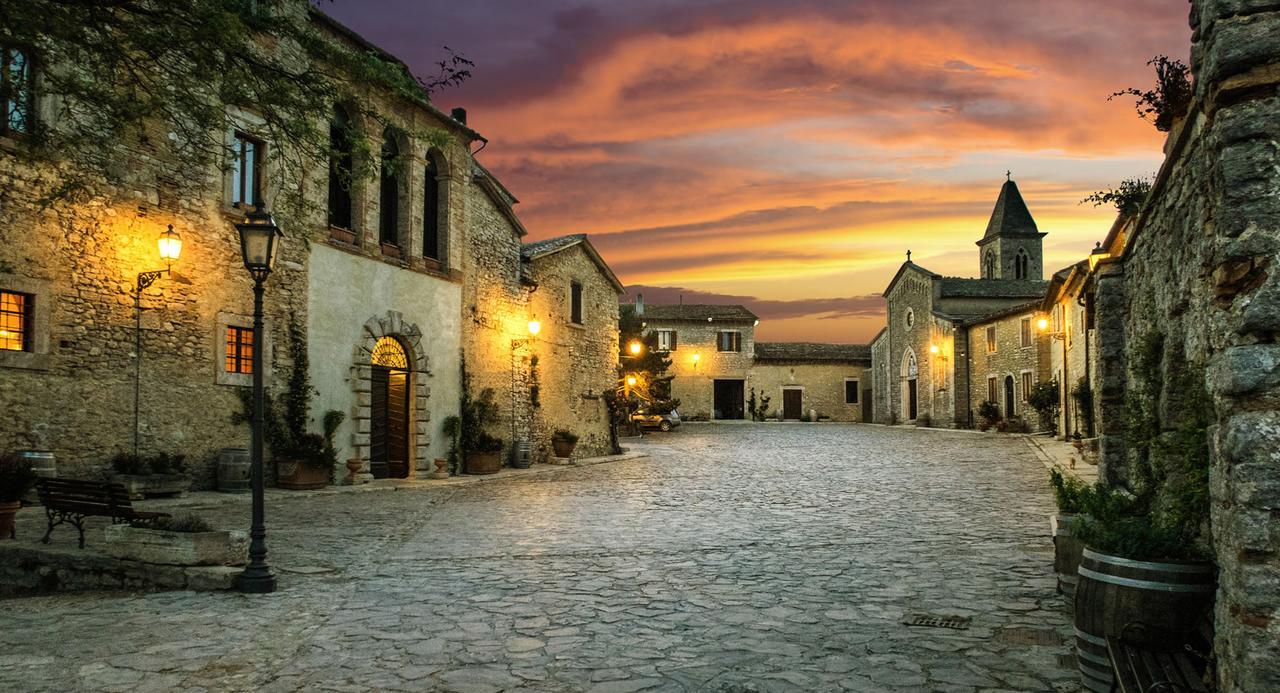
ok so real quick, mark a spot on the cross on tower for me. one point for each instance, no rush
(908, 256)
(1008, 175)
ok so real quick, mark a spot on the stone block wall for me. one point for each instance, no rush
(1010, 359)
(822, 386)
(910, 330)
(576, 363)
(694, 383)
(1201, 268)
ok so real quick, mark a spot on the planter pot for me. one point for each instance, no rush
(234, 470)
(1166, 599)
(483, 462)
(354, 465)
(563, 448)
(389, 250)
(1066, 552)
(141, 486)
(297, 476)
(8, 513)
(176, 548)
(440, 472)
(432, 264)
(342, 235)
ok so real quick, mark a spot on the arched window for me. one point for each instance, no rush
(388, 352)
(1021, 265)
(431, 208)
(989, 265)
(389, 192)
(340, 161)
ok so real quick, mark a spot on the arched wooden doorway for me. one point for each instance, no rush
(910, 387)
(389, 410)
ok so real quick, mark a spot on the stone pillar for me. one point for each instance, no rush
(1109, 370)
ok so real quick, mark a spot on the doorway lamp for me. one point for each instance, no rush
(259, 240)
(170, 246)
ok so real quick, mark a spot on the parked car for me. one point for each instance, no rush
(663, 422)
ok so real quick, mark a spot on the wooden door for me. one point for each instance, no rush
(728, 399)
(912, 404)
(379, 381)
(791, 404)
(1008, 396)
(398, 424)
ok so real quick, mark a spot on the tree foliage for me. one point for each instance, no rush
(1128, 199)
(159, 80)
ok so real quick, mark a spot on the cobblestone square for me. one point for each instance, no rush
(732, 558)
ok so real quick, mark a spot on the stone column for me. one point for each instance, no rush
(1110, 370)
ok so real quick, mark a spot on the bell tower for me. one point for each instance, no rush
(1011, 248)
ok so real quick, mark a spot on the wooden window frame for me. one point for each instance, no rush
(993, 389)
(235, 337)
(576, 308)
(734, 344)
(239, 145)
(25, 315)
(992, 338)
(21, 98)
(671, 341)
(1027, 380)
(1025, 335)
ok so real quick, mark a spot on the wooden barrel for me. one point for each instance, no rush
(234, 470)
(1066, 553)
(1148, 602)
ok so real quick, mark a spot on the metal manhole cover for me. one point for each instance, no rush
(930, 621)
(1028, 636)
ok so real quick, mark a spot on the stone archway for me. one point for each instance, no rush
(409, 337)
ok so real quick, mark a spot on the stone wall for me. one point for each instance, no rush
(576, 363)
(694, 380)
(821, 384)
(879, 375)
(911, 330)
(1010, 360)
(1201, 269)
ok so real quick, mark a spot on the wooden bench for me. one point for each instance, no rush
(1177, 668)
(72, 500)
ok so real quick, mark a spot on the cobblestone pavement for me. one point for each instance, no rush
(733, 558)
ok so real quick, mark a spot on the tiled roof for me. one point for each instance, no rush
(1031, 306)
(550, 245)
(1011, 216)
(812, 351)
(697, 311)
(962, 287)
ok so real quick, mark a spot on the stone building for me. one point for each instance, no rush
(947, 338)
(718, 366)
(1072, 353)
(394, 284)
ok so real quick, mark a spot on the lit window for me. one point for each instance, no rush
(666, 340)
(991, 339)
(246, 170)
(729, 341)
(1025, 331)
(575, 303)
(15, 90)
(850, 391)
(15, 321)
(239, 349)
(1026, 385)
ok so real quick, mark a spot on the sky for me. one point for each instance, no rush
(786, 154)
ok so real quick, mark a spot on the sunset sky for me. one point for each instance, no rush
(786, 155)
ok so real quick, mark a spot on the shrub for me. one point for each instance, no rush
(1044, 399)
(16, 478)
(567, 436)
(989, 411)
(1127, 199)
(190, 524)
(1169, 100)
(162, 463)
(1068, 491)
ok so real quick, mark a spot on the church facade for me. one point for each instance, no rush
(952, 343)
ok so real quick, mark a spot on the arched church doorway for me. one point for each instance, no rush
(910, 386)
(1008, 396)
(389, 410)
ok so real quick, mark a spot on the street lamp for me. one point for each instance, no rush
(635, 347)
(170, 246)
(1098, 255)
(258, 236)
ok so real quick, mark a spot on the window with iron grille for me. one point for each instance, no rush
(575, 303)
(239, 349)
(15, 321)
(246, 169)
(729, 341)
(15, 91)
(991, 339)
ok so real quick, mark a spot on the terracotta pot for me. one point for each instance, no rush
(483, 462)
(298, 476)
(7, 512)
(342, 235)
(390, 250)
(354, 465)
(563, 448)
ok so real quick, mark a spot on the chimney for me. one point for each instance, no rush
(459, 114)
(639, 304)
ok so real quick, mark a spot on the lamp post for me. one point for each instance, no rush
(258, 236)
(170, 246)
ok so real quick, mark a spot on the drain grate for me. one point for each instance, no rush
(930, 621)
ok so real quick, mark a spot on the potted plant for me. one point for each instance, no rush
(481, 452)
(16, 477)
(988, 415)
(1069, 494)
(563, 441)
(161, 474)
(182, 540)
(304, 460)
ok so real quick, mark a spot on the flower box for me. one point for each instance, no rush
(341, 235)
(140, 486)
(177, 548)
(390, 250)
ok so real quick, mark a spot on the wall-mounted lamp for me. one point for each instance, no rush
(534, 327)
(1098, 255)
(635, 347)
(1043, 324)
(170, 246)
(631, 381)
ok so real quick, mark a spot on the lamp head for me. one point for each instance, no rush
(535, 327)
(259, 234)
(1043, 324)
(635, 347)
(170, 244)
(631, 381)
(933, 349)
